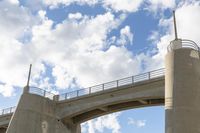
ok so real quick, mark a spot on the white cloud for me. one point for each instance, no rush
(15, 23)
(157, 5)
(137, 123)
(34, 5)
(56, 3)
(104, 122)
(79, 50)
(126, 36)
(14, 2)
(123, 5)
(15, 20)
(188, 19)
(77, 15)
(6, 90)
(115, 5)
(62, 78)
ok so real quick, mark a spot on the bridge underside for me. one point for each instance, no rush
(4, 121)
(115, 108)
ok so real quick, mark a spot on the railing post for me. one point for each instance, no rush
(3, 111)
(56, 97)
(26, 89)
(77, 92)
(11, 110)
(89, 90)
(149, 75)
(65, 95)
(132, 79)
(103, 86)
(117, 83)
(44, 93)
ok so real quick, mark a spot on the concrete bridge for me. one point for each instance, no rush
(39, 111)
(141, 90)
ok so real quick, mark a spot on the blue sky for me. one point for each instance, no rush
(74, 44)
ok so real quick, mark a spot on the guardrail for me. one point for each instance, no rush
(41, 92)
(7, 110)
(113, 84)
(185, 43)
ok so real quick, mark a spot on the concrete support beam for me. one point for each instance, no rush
(143, 101)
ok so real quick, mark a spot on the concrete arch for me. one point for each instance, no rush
(143, 94)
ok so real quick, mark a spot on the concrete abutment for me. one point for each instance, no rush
(36, 114)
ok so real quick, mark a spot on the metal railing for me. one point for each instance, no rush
(41, 92)
(185, 43)
(113, 84)
(7, 110)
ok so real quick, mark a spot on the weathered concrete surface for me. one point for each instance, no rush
(36, 114)
(182, 91)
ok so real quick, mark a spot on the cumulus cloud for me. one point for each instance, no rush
(110, 122)
(77, 15)
(14, 22)
(77, 49)
(14, 1)
(56, 3)
(126, 36)
(157, 5)
(16, 53)
(123, 5)
(7, 90)
(114, 5)
(137, 123)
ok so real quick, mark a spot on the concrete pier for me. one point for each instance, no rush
(182, 88)
(36, 114)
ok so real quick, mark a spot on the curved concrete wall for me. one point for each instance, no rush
(182, 91)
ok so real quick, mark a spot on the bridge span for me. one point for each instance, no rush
(75, 107)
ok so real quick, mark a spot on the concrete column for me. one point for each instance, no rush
(182, 90)
(26, 89)
(37, 114)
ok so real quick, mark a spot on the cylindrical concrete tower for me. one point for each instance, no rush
(182, 87)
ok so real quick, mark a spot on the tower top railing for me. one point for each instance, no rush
(41, 92)
(182, 43)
